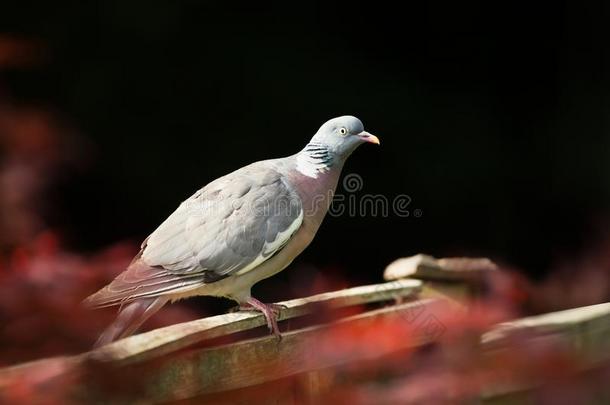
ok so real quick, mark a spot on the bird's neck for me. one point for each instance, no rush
(314, 159)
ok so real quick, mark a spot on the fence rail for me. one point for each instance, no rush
(191, 359)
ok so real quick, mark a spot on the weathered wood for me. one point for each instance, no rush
(584, 332)
(456, 279)
(171, 338)
(587, 329)
(257, 361)
(143, 348)
(159, 342)
(171, 366)
(447, 269)
(238, 365)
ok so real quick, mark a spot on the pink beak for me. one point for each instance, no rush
(365, 136)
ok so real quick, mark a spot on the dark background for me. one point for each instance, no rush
(492, 116)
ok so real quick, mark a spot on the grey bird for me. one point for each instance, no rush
(235, 231)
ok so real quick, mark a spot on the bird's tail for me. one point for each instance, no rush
(130, 318)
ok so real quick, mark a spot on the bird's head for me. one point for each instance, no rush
(342, 135)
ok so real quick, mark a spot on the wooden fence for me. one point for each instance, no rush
(233, 353)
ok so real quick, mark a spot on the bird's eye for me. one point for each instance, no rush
(342, 131)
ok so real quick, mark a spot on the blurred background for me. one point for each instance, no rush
(493, 119)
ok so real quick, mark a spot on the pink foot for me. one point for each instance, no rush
(270, 311)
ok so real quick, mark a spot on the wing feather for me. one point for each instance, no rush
(229, 227)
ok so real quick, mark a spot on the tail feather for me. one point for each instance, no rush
(140, 291)
(130, 318)
(141, 281)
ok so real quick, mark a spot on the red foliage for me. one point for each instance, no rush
(41, 288)
(41, 283)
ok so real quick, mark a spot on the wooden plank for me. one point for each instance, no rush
(162, 341)
(171, 338)
(257, 361)
(157, 343)
(457, 279)
(171, 373)
(584, 331)
(447, 269)
(578, 323)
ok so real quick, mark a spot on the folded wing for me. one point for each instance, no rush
(229, 227)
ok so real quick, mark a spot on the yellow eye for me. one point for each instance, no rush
(342, 131)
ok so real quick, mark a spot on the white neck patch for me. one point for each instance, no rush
(314, 159)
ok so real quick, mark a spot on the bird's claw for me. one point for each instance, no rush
(270, 311)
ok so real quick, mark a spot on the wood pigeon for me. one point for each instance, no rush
(237, 230)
